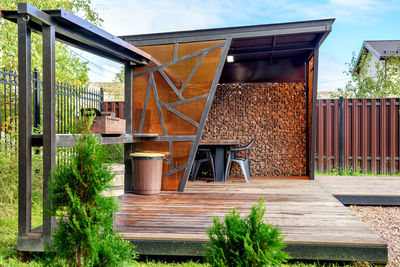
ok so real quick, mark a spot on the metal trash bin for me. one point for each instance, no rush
(147, 172)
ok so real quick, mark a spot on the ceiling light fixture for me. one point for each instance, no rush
(230, 59)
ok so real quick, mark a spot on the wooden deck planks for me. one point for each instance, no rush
(361, 185)
(363, 190)
(306, 213)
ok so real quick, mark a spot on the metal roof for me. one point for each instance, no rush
(77, 32)
(312, 26)
(383, 48)
(269, 52)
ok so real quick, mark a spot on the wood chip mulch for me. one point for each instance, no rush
(385, 221)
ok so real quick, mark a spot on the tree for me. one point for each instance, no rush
(85, 235)
(383, 82)
(68, 66)
(120, 76)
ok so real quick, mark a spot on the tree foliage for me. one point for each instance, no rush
(245, 241)
(85, 235)
(120, 76)
(68, 66)
(384, 81)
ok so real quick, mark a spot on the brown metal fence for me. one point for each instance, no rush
(358, 134)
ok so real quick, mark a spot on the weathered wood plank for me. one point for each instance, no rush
(306, 213)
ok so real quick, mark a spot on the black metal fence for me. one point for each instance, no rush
(69, 101)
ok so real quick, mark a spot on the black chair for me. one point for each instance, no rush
(244, 162)
(203, 155)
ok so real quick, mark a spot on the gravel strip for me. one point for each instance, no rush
(385, 221)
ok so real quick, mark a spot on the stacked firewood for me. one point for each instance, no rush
(274, 113)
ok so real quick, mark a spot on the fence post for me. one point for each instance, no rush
(36, 98)
(101, 99)
(341, 135)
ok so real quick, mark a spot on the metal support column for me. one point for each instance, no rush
(24, 126)
(49, 125)
(36, 99)
(128, 117)
(314, 112)
(206, 109)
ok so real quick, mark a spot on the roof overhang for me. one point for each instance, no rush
(271, 52)
(79, 33)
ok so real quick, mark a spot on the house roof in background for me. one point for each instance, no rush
(381, 49)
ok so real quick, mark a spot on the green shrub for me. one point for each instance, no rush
(245, 241)
(85, 235)
(116, 153)
(9, 175)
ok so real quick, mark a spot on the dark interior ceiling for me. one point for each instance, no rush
(279, 58)
(262, 53)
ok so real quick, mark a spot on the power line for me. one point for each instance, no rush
(90, 62)
(335, 80)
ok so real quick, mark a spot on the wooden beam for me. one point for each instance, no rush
(128, 118)
(49, 125)
(24, 128)
(314, 113)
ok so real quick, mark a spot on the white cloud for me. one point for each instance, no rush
(134, 17)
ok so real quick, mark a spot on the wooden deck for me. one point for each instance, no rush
(315, 224)
(363, 190)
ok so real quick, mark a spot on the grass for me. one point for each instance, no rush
(350, 172)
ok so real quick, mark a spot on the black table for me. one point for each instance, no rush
(220, 147)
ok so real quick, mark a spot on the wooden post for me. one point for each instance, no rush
(128, 118)
(314, 112)
(24, 127)
(49, 126)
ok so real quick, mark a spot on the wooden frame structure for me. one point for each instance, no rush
(66, 27)
(292, 48)
(173, 73)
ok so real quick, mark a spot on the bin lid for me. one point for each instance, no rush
(147, 155)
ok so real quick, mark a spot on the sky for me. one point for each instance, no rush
(356, 21)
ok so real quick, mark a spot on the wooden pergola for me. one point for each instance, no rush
(172, 95)
(170, 83)
(63, 26)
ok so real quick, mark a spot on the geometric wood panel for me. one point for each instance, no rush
(169, 96)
